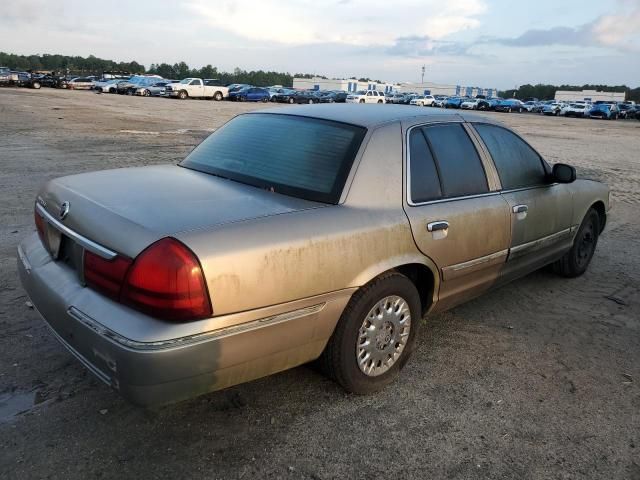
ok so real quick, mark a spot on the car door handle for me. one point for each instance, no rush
(520, 209)
(439, 225)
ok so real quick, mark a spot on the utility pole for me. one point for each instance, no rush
(423, 69)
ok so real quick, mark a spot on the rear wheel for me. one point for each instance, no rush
(310, 101)
(575, 262)
(291, 100)
(375, 335)
(379, 101)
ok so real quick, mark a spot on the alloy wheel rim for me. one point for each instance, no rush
(383, 335)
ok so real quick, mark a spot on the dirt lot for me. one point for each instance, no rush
(539, 379)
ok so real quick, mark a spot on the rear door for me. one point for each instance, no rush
(457, 216)
(541, 212)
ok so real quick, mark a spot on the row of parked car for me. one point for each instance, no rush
(156, 86)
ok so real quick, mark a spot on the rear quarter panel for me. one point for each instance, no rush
(281, 258)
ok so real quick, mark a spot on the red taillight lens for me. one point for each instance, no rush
(166, 281)
(105, 276)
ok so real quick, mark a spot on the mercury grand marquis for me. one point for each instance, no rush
(290, 235)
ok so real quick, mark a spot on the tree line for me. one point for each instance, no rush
(547, 92)
(92, 65)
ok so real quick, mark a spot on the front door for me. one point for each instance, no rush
(541, 212)
(456, 219)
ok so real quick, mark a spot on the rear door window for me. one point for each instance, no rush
(424, 179)
(458, 163)
(517, 163)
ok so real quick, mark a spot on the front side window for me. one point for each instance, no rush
(298, 156)
(517, 163)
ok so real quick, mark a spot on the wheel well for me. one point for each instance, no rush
(422, 277)
(599, 207)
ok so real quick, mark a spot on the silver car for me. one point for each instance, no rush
(289, 235)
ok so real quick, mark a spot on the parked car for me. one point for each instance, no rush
(422, 100)
(366, 96)
(293, 234)
(285, 97)
(157, 89)
(333, 97)
(439, 101)
(129, 86)
(530, 105)
(476, 104)
(454, 102)
(252, 94)
(107, 86)
(576, 110)
(509, 105)
(275, 91)
(198, 88)
(604, 111)
(552, 108)
(624, 108)
(80, 83)
(493, 102)
(18, 79)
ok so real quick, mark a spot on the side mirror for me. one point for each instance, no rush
(563, 173)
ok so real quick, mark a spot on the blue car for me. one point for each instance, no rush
(454, 102)
(251, 94)
(510, 105)
(604, 111)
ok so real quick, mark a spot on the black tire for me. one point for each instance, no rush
(36, 85)
(339, 359)
(292, 101)
(310, 101)
(183, 95)
(112, 90)
(362, 100)
(146, 93)
(575, 262)
(265, 99)
(217, 96)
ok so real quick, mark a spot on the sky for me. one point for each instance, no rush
(486, 43)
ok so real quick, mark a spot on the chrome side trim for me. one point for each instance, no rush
(525, 248)
(23, 258)
(83, 241)
(460, 269)
(191, 339)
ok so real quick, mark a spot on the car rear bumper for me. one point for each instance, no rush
(151, 373)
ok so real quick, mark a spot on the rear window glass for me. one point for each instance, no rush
(298, 156)
(459, 165)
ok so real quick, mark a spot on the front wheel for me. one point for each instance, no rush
(217, 96)
(575, 262)
(146, 93)
(362, 101)
(182, 95)
(375, 335)
(36, 85)
(310, 101)
(292, 101)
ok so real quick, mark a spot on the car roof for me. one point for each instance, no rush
(371, 115)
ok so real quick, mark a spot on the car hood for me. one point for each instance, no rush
(128, 209)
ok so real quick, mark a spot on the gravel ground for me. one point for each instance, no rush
(538, 379)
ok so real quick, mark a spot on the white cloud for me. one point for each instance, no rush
(353, 22)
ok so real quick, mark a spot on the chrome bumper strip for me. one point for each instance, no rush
(191, 339)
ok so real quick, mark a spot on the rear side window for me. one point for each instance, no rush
(425, 184)
(517, 163)
(458, 162)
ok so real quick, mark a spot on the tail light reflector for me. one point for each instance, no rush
(105, 276)
(39, 226)
(166, 281)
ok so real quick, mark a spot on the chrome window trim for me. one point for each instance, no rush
(408, 199)
(76, 237)
(218, 334)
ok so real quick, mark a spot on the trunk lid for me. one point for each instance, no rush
(128, 209)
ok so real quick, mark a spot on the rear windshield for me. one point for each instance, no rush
(298, 156)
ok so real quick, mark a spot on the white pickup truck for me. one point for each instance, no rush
(197, 88)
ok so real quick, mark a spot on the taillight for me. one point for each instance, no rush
(167, 282)
(105, 276)
(39, 225)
